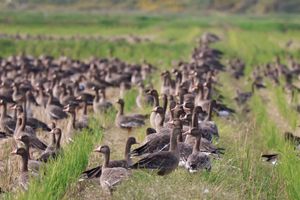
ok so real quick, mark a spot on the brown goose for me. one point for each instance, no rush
(24, 174)
(74, 124)
(7, 124)
(111, 177)
(154, 94)
(159, 118)
(30, 101)
(128, 121)
(41, 96)
(96, 172)
(164, 161)
(21, 129)
(31, 122)
(33, 165)
(150, 132)
(53, 149)
(17, 95)
(197, 160)
(100, 104)
(143, 98)
(67, 96)
(156, 141)
(21, 120)
(53, 111)
(208, 127)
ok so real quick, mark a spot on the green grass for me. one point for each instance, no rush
(288, 167)
(59, 174)
(240, 174)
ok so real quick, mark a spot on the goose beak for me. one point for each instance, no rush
(97, 149)
(14, 152)
(79, 98)
(13, 107)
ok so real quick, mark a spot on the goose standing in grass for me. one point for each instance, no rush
(74, 124)
(53, 111)
(128, 121)
(154, 95)
(100, 103)
(110, 177)
(21, 129)
(7, 124)
(209, 128)
(33, 165)
(53, 149)
(125, 163)
(143, 98)
(163, 161)
(197, 160)
(24, 173)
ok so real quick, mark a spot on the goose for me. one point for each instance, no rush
(197, 160)
(24, 173)
(154, 94)
(83, 95)
(149, 134)
(41, 98)
(21, 131)
(125, 163)
(159, 118)
(164, 161)
(53, 111)
(243, 97)
(30, 101)
(271, 158)
(73, 123)
(33, 165)
(100, 104)
(31, 122)
(6, 92)
(7, 124)
(67, 96)
(128, 121)
(143, 98)
(110, 177)
(54, 148)
(21, 117)
(156, 141)
(208, 127)
(17, 95)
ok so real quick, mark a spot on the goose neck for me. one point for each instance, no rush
(196, 147)
(106, 160)
(173, 142)
(58, 141)
(24, 163)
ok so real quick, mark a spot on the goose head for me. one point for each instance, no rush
(24, 138)
(70, 108)
(120, 102)
(158, 109)
(132, 141)
(21, 151)
(195, 132)
(103, 149)
(150, 131)
(2, 102)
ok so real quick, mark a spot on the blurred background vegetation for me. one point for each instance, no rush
(175, 6)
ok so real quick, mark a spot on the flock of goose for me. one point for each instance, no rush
(39, 37)
(181, 130)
